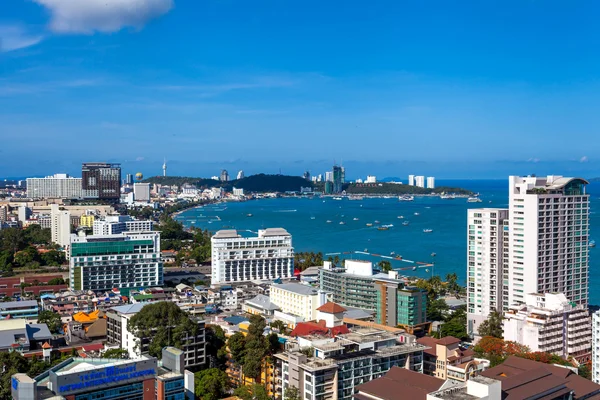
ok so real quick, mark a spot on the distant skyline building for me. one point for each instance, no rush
(430, 182)
(306, 175)
(141, 191)
(338, 179)
(268, 256)
(129, 179)
(60, 186)
(328, 176)
(224, 177)
(60, 226)
(371, 179)
(420, 181)
(164, 167)
(101, 181)
(240, 174)
(411, 180)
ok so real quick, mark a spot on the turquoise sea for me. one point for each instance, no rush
(306, 219)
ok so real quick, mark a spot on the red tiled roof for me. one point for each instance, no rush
(331, 308)
(93, 347)
(448, 340)
(400, 383)
(46, 345)
(317, 328)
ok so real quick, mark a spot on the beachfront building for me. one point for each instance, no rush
(420, 181)
(57, 186)
(356, 285)
(430, 182)
(236, 258)
(297, 299)
(548, 238)
(115, 224)
(335, 368)
(126, 261)
(487, 230)
(552, 324)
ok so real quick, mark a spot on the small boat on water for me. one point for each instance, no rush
(328, 221)
(388, 226)
(445, 196)
(342, 223)
(337, 198)
(369, 224)
(355, 219)
(376, 221)
(312, 217)
(405, 223)
(406, 197)
(474, 199)
(427, 230)
(248, 215)
(417, 213)
(355, 198)
(400, 216)
(592, 243)
(383, 228)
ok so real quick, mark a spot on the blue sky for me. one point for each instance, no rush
(451, 89)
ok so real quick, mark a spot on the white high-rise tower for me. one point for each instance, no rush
(164, 167)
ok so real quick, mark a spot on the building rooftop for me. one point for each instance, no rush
(18, 304)
(262, 301)
(331, 308)
(128, 308)
(311, 271)
(413, 385)
(226, 234)
(273, 232)
(297, 288)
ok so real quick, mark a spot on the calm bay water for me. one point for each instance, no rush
(306, 219)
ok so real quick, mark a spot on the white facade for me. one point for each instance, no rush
(268, 256)
(296, 299)
(550, 323)
(420, 181)
(485, 259)
(238, 192)
(60, 227)
(548, 238)
(240, 175)
(329, 176)
(596, 347)
(371, 179)
(126, 260)
(115, 224)
(56, 186)
(411, 180)
(430, 182)
(141, 191)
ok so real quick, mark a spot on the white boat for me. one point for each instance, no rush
(400, 216)
(406, 197)
(445, 196)
(328, 221)
(342, 223)
(473, 200)
(312, 217)
(355, 219)
(405, 223)
(592, 243)
(355, 198)
(369, 224)
(417, 213)
(427, 230)
(337, 198)
(388, 226)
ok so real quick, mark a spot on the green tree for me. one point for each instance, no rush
(10, 363)
(280, 326)
(26, 256)
(211, 384)
(436, 309)
(584, 371)
(53, 258)
(456, 324)
(35, 234)
(274, 344)
(12, 239)
(56, 281)
(385, 266)
(256, 347)
(116, 353)
(6, 261)
(292, 393)
(492, 326)
(165, 324)
(51, 319)
(215, 345)
(254, 392)
(452, 283)
(237, 347)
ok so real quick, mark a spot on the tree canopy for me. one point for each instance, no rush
(211, 384)
(492, 326)
(254, 392)
(455, 324)
(165, 324)
(51, 319)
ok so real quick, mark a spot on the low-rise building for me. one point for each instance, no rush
(297, 299)
(260, 305)
(119, 335)
(549, 322)
(596, 346)
(335, 369)
(103, 378)
(445, 358)
(27, 309)
(18, 335)
(399, 382)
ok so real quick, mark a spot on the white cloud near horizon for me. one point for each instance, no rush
(106, 16)
(14, 37)
(583, 159)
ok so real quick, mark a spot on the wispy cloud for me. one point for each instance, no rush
(583, 159)
(14, 37)
(11, 88)
(106, 16)
(215, 89)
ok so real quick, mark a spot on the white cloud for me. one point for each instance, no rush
(89, 16)
(583, 159)
(533, 160)
(13, 37)
(139, 159)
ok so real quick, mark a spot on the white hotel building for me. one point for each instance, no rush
(596, 347)
(268, 256)
(56, 186)
(544, 246)
(487, 231)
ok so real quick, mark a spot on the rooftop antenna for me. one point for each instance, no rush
(164, 167)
